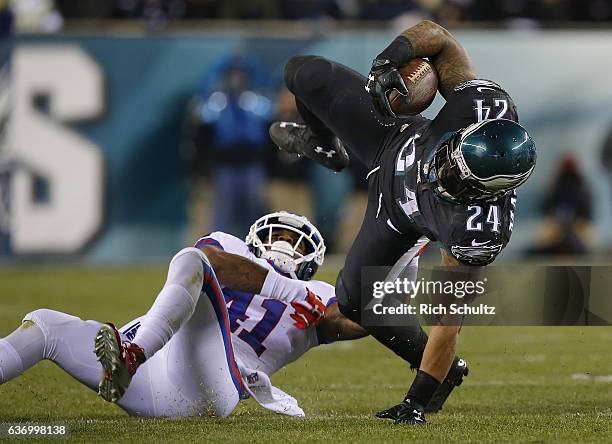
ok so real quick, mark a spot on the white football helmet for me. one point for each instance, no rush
(285, 257)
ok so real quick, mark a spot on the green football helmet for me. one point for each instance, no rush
(483, 161)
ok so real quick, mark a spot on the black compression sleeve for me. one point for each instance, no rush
(398, 52)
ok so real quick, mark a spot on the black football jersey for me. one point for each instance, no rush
(473, 233)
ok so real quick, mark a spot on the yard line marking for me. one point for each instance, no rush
(593, 378)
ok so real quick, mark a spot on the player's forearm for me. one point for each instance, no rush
(448, 260)
(235, 271)
(242, 274)
(452, 62)
(336, 327)
(347, 330)
(454, 269)
(454, 272)
(428, 39)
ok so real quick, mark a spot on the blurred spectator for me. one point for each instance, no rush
(158, 12)
(36, 16)
(305, 187)
(230, 142)
(606, 153)
(248, 10)
(288, 166)
(568, 213)
(90, 9)
(386, 9)
(606, 159)
(309, 9)
(288, 188)
(7, 166)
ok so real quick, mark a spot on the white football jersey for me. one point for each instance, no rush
(263, 333)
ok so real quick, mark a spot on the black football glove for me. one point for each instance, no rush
(384, 76)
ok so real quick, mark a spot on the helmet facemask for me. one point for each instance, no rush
(299, 259)
(450, 182)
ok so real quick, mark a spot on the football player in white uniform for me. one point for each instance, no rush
(230, 314)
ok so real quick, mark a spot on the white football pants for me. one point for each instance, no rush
(195, 372)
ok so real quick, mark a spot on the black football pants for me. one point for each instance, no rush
(331, 96)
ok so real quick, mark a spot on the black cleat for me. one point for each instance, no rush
(453, 379)
(404, 413)
(299, 139)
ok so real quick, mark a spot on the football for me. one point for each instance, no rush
(421, 80)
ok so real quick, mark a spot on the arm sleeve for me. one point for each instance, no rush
(325, 291)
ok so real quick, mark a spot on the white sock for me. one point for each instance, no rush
(21, 350)
(175, 303)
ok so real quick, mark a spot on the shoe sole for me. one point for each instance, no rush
(115, 377)
(277, 138)
(341, 159)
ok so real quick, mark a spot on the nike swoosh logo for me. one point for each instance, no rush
(479, 244)
(480, 88)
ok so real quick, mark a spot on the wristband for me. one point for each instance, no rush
(398, 52)
(282, 288)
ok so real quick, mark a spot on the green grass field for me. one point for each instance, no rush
(526, 384)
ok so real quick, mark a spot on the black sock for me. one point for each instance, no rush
(422, 389)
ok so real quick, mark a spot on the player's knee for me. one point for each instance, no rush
(223, 411)
(307, 73)
(188, 269)
(190, 254)
(291, 68)
(45, 319)
(222, 408)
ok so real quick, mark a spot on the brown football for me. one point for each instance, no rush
(421, 80)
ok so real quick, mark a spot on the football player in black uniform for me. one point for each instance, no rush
(450, 179)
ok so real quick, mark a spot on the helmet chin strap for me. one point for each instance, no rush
(281, 254)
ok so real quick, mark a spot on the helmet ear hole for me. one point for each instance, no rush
(254, 250)
(306, 271)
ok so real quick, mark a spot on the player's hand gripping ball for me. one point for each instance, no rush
(404, 91)
(308, 312)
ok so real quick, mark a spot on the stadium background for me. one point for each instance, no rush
(104, 107)
(102, 163)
